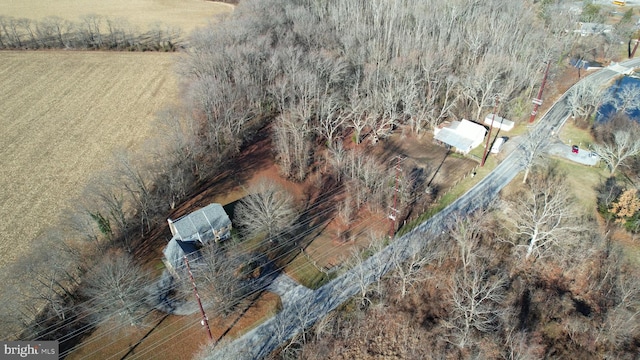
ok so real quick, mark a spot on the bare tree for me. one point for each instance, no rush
(222, 277)
(361, 275)
(518, 346)
(409, 272)
(627, 98)
(117, 289)
(476, 294)
(483, 82)
(467, 232)
(293, 145)
(439, 103)
(267, 210)
(136, 180)
(358, 117)
(584, 97)
(533, 143)
(303, 312)
(544, 213)
(330, 119)
(619, 148)
(45, 284)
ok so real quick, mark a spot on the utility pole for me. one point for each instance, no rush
(635, 47)
(538, 100)
(393, 214)
(493, 118)
(205, 320)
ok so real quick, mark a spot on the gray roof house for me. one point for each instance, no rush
(174, 254)
(211, 223)
(190, 232)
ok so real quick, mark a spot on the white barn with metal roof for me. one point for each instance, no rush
(463, 135)
(499, 122)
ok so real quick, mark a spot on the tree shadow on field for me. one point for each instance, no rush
(133, 348)
(310, 224)
(435, 173)
(233, 172)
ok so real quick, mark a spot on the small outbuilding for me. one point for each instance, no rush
(463, 135)
(498, 122)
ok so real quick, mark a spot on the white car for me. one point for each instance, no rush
(497, 145)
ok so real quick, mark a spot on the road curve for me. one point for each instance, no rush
(306, 309)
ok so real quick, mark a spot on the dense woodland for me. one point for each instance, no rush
(324, 80)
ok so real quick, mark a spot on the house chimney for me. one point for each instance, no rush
(171, 227)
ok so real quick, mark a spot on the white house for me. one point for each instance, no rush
(463, 135)
(498, 122)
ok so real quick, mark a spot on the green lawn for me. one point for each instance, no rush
(573, 135)
(583, 180)
(306, 273)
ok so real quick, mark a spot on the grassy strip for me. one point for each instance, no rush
(450, 196)
(306, 273)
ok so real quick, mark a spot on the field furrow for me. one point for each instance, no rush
(63, 115)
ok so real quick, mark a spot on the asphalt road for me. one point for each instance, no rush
(304, 308)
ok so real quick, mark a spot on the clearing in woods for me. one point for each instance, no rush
(184, 14)
(62, 116)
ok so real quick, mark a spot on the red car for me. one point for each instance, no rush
(575, 149)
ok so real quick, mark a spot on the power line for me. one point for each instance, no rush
(301, 235)
(160, 342)
(331, 249)
(322, 199)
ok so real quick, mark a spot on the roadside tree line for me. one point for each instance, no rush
(478, 291)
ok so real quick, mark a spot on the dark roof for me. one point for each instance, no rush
(175, 251)
(201, 223)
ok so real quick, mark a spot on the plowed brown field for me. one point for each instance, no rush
(185, 14)
(62, 115)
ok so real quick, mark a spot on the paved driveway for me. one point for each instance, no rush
(583, 156)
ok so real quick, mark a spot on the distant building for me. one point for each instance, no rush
(586, 29)
(190, 232)
(584, 64)
(463, 135)
(498, 122)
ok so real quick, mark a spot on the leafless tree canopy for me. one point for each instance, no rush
(117, 289)
(617, 141)
(544, 214)
(267, 210)
(92, 31)
(361, 69)
(223, 278)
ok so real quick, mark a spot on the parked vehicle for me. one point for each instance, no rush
(497, 145)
